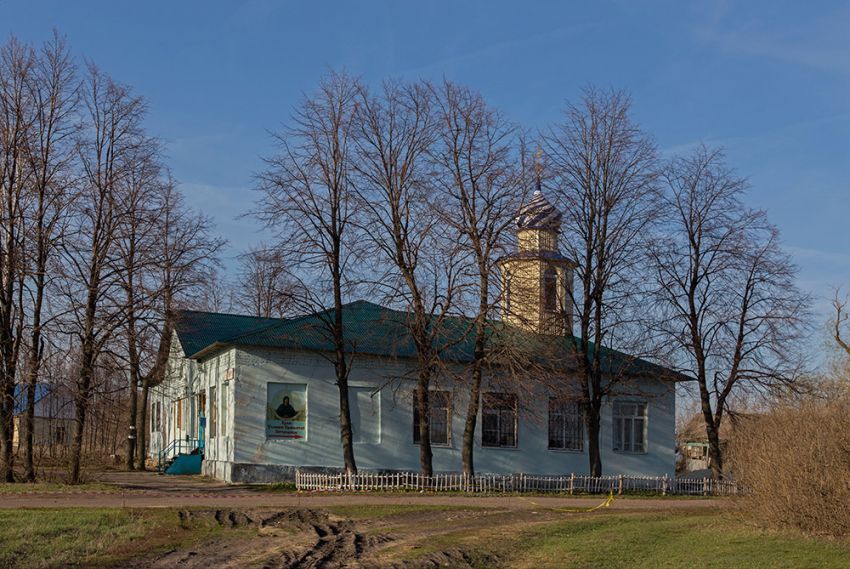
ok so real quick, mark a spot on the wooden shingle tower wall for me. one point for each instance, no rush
(536, 278)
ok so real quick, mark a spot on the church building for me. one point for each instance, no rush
(253, 399)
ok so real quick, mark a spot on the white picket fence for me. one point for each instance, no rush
(511, 483)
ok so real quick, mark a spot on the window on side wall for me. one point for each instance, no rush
(499, 420)
(224, 408)
(213, 412)
(630, 424)
(566, 424)
(440, 421)
(365, 409)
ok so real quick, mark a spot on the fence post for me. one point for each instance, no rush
(572, 483)
(664, 485)
(620, 486)
(705, 486)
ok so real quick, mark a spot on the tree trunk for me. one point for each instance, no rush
(133, 379)
(471, 421)
(467, 451)
(712, 431)
(593, 452)
(142, 427)
(341, 366)
(6, 425)
(155, 377)
(129, 463)
(345, 424)
(7, 411)
(77, 441)
(715, 454)
(425, 455)
(81, 404)
(82, 398)
(33, 368)
(28, 424)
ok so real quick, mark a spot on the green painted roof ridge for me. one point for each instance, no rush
(234, 314)
(364, 318)
(296, 319)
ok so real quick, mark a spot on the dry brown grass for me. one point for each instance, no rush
(796, 462)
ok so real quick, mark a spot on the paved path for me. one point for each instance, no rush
(149, 490)
(267, 500)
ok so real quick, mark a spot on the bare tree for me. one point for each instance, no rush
(17, 65)
(264, 287)
(111, 145)
(214, 294)
(839, 305)
(183, 269)
(730, 308)
(184, 264)
(137, 247)
(309, 201)
(50, 156)
(604, 179)
(480, 190)
(396, 132)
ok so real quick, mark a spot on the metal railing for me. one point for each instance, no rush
(175, 448)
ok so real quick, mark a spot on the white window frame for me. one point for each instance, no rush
(559, 408)
(374, 410)
(223, 410)
(212, 421)
(514, 417)
(431, 409)
(625, 426)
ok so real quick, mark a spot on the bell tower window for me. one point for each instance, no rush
(550, 290)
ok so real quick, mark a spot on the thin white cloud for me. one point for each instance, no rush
(821, 42)
(780, 132)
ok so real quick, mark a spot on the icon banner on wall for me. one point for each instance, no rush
(286, 411)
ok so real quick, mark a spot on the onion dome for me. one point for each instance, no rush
(539, 214)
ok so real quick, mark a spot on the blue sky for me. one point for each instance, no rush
(769, 81)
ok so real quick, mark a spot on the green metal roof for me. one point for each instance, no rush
(197, 330)
(369, 329)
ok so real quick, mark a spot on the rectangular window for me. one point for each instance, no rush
(439, 407)
(499, 420)
(213, 412)
(566, 425)
(224, 408)
(630, 426)
(184, 404)
(365, 409)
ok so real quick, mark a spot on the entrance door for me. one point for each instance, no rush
(202, 419)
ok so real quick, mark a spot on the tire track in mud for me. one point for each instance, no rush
(338, 544)
(334, 542)
(289, 539)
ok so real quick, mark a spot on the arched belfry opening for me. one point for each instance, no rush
(536, 277)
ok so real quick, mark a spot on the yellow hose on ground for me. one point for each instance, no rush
(605, 504)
